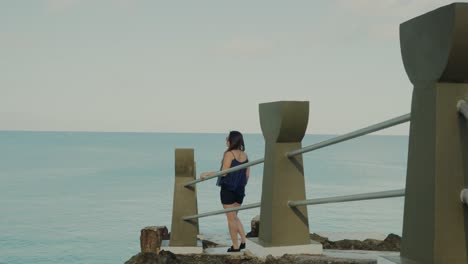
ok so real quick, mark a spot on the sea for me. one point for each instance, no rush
(83, 197)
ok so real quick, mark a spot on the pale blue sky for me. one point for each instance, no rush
(201, 66)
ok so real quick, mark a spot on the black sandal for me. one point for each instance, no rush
(242, 246)
(232, 249)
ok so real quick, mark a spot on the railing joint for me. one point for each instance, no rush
(464, 196)
(462, 108)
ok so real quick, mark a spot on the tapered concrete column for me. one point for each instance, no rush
(184, 233)
(283, 126)
(434, 48)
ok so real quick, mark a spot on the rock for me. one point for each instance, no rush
(254, 227)
(165, 257)
(349, 244)
(391, 243)
(327, 244)
(208, 244)
(215, 259)
(371, 244)
(318, 238)
(270, 259)
(151, 237)
(393, 239)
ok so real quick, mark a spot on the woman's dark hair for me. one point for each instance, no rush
(236, 141)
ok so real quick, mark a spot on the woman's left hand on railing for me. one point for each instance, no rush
(205, 174)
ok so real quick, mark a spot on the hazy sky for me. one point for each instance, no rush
(201, 66)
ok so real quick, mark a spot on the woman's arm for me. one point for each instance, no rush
(227, 159)
(247, 172)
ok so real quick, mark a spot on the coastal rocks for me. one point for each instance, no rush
(254, 227)
(208, 244)
(165, 257)
(151, 237)
(393, 242)
(390, 243)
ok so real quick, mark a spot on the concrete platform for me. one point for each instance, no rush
(182, 250)
(382, 257)
(255, 249)
(393, 259)
(379, 257)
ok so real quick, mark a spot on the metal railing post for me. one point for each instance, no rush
(184, 233)
(434, 49)
(283, 125)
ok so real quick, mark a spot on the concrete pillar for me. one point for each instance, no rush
(434, 49)
(184, 233)
(283, 125)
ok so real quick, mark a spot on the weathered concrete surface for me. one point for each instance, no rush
(184, 233)
(283, 126)
(434, 50)
(165, 257)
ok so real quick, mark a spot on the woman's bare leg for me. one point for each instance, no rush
(232, 224)
(240, 228)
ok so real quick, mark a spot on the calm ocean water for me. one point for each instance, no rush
(71, 197)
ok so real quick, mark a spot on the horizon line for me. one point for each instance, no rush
(175, 132)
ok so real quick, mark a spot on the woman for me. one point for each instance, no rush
(233, 185)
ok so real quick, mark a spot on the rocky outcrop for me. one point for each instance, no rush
(151, 237)
(208, 244)
(165, 257)
(393, 242)
(254, 227)
(390, 243)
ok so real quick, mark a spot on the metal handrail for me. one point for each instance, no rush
(236, 168)
(349, 198)
(376, 127)
(357, 197)
(379, 126)
(243, 207)
(336, 199)
(462, 107)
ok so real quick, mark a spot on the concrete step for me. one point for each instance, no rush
(222, 251)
